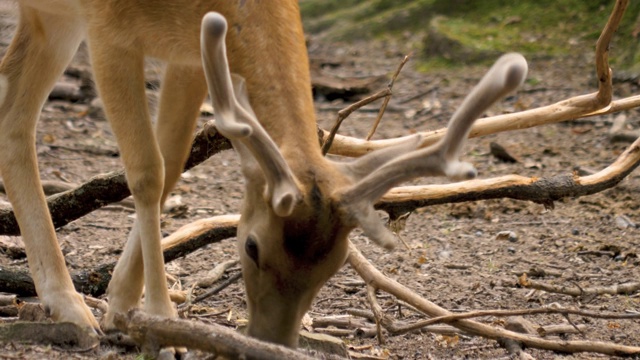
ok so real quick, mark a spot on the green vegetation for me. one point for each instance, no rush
(534, 27)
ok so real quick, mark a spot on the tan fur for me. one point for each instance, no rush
(299, 246)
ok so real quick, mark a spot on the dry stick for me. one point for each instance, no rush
(156, 332)
(344, 113)
(387, 98)
(551, 114)
(627, 288)
(374, 277)
(377, 312)
(216, 273)
(233, 278)
(560, 329)
(104, 189)
(517, 312)
(393, 326)
(52, 187)
(597, 103)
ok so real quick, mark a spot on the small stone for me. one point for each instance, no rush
(619, 337)
(507, 235)
(623, 222)
(575, 232)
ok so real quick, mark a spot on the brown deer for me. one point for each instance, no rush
(299, 207)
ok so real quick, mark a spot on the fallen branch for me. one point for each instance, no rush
(617, 289)
(515, 312)
(94, 282)
(540, 190)
(394, 327)
(218, 288)
(155, 333)
(105, 189)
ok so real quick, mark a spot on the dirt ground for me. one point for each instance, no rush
(455, 258)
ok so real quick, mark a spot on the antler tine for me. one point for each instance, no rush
(439, 159)
(237, 121)
(505, 76)
(216, 68)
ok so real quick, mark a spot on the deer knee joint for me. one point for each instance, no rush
(147, 185)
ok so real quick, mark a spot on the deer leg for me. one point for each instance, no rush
(182, 93)
(41, 48)
(183, 90)
(119, 73)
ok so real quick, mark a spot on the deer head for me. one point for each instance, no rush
(300, 207)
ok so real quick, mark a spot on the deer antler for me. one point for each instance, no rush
(237, 121)
(436, 160)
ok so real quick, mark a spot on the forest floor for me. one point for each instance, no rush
(455, 258)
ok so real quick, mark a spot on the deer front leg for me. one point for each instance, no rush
(183, 90)
(119, 73)
(41, 48)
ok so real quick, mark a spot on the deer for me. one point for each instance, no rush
(250, 56)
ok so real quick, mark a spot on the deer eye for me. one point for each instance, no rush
(251, 248)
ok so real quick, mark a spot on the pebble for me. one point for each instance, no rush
(507, 235)
(623, 222)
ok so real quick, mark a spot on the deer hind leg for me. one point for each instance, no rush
(183, 90)
(41, 48)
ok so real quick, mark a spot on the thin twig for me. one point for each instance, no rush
(383, 108)
(377, 312)
(626, 288)
(233, 278)
(344, 113)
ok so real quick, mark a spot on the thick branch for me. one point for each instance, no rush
(541, 190)
(109, 188)
(154, 333)
(94, 282)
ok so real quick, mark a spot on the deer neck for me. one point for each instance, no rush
(279, 89)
